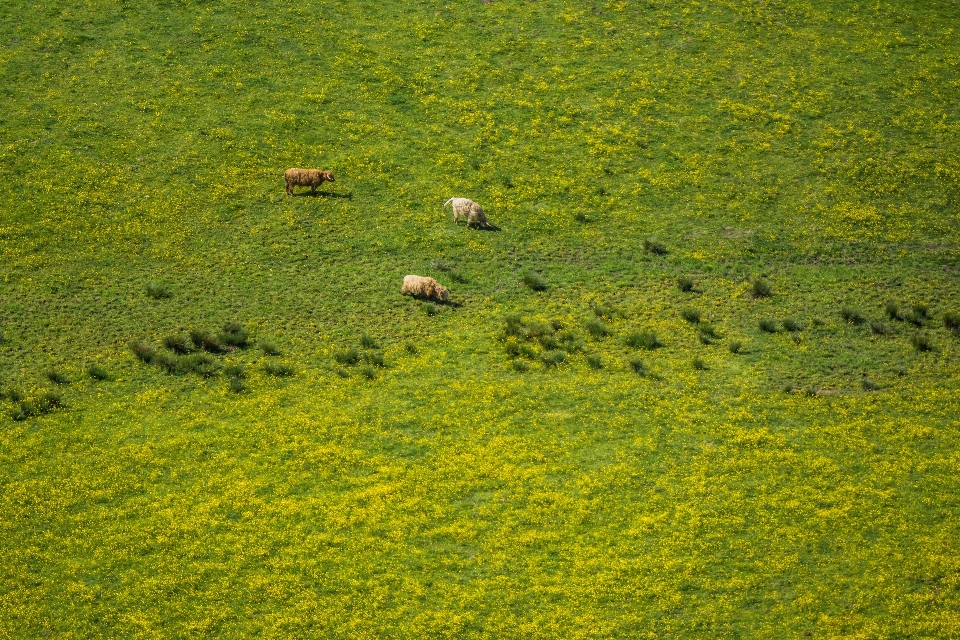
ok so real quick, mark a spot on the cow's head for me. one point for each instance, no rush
(328, 175)
(443, 293)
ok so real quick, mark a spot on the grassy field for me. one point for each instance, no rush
(576, 446)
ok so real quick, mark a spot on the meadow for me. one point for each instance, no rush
(702, 379)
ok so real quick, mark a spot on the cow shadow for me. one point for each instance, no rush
(324, 194)
(490, 229)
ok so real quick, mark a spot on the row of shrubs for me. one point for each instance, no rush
(369, 356)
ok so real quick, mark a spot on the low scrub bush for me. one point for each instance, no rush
(879, 328)
(761, 288)
(368, 342)
(368, 372)
(951, 320)
(143, 352)
(791, 325)
(704, 338)
(852, 315)
(441, 265)
(237, 385)
(200, 363)
(690, 315)
(655, 247)
(234, 335)
(168, 362)
(177, 344)
(348, 356)
(685, 284)
(205, 341)
(533, 281)
(736, 347)
(236, 371)
(343, 373)
(699, 364)
(636, 365)
(278, 370)
(57, 377)
(13, 395)
(581, 217)
(24, 410)
(412, 348)
(644, 340)
(921, 342)
(513, 326)
(921, 311)
(49, 401)
(893, 310)
(553, 358)
(520, 366)
(429, 308)
(869, 385)
(605, 311)
(98, 372)
(158, 290)
(269, 348)
(375, 358)
(594, 361)
(768, 325)
(596, 328)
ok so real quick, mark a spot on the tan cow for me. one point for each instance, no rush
(423, 287)
(312, 178)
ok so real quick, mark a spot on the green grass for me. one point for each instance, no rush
(789, 159)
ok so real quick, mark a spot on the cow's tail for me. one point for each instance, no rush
(446, 203)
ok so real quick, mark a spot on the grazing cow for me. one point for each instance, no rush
(467, 209)
(312, 178)
(420, 286)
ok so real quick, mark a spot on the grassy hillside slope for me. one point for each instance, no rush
(520, 465)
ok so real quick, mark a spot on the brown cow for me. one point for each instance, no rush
(312, 178)
(420, 286)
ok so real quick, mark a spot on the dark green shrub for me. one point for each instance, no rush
(879, 328)
(143, 351)
(158, 290)
(699, 364)
(549, 342)
(768, 325)
(690, 315)
(269, 348)
(512, 348)
(736, 346)
(49, 401)
(581, 217)
(375, 358)
(852, 315)
(604, 311)
(57, 377)
(513, 326)
(520, 366)
(951, 320)
(236, 371)
(593, 361)
(411, 348)
(368, 343)
(4, 338)
(537, 330)
(704, 338)
(429, 308)
(343, 373)
(644, 340)
(869, 385)
(654, 246)
(196, 363)
(788, 388)
(26, 409)
(441, 265)
(709, 330)
(526, 351)
(761, 288)
(811, 390)
(915, 319)
(237, 385)
(553, 358)
(234, 335)
(556, 325)
(791, 325)
(921, 342)
(168, 362)
(534, 281)
(177, 344)
(893, 311)
(921, 311)
(348, 356)
(13, 395)
(817, 321)
(636, 365)
(685, 283)
(205, 341)
(278, 370)
(596, 328)
(368, 372)
(98, 372)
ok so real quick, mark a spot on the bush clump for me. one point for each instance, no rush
(49, 401)
(375, 358)
(735, 347)
(553, 358)
(98, 372)
(533, 281)
(278, 370)
(520, 366)
(852, 315)
(368, 342)
(368, 372)
(636, 365)
(596, 328)
(768, 325)
(893, 310)
(690, 315)
(143, 352)
(879, 328)
(269, 348)
(57, 377)
(200, 363)
(177, 344)
(761, 288)
(605, 311)
(237, 385)
(869, 385)
(654, 246)
(347, 356)
(593, 361)
(234, 335)
(791, 325)
(699, 364)
(429, 308)
(644, 340)
(685, 284)
(921, 342)
(205, 341)
(158, 290)
(951, 320)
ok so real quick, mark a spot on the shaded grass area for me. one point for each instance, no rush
(793, 165)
